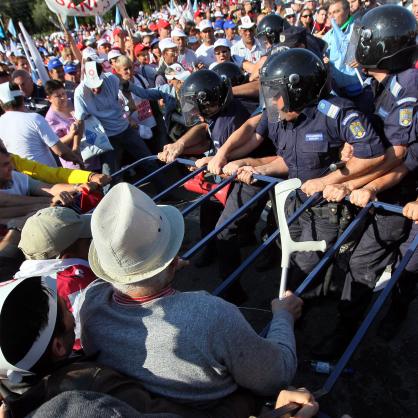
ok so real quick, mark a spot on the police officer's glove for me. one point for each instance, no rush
(125, 86)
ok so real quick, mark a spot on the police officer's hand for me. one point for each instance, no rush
(202, 161)
(335, 192)
(245, 174)
(232, 167)
(361, 197)
(411, 211)
(290, 303)
(346, 152)
(313, 186)
(171, 151)
(301, 396)
(216, 164)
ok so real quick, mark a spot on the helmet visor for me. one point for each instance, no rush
(275, 97)
(264, 41)
(350, 55)
(190, 110)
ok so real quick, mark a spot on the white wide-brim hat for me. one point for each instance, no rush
(133, 238)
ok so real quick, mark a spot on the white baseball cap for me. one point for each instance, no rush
(92, 80)
(222, 42)
(289, 12)
(166, 43)
(246, 23)
(176, 71)
(113, 53)
(218, 14)
(90, 53)
(179, 33)
(205, 24)
(102, 42)
(7, 95)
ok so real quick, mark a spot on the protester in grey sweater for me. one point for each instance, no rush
(191, 347)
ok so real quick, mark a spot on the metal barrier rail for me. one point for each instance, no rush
(325, 260)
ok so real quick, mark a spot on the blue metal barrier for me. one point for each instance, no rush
(325, 260)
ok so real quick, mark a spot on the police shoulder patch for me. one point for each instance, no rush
(395, 87)
(357, 129)
(329, 109)
(405, 116)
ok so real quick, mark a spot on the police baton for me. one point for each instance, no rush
(282, 191)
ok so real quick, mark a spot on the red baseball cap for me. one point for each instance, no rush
(117, 31)
(153, 27)
(198, 13)
(162, 24)
(139, 48)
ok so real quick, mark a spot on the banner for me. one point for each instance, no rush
(84, 8)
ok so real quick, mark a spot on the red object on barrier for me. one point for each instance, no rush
(89, 200)
(198, 184)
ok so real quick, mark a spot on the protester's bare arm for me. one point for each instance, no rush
(192, 142)
(250, 90)
(66, 153)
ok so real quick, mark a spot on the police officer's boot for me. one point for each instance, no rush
(229, 257)
(350, 315)
(402, 296)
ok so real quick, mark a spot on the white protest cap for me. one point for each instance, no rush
(219, 14)
(90, 53)
(7, 95)
(205, 24)
(176, 71)
(92, 80)
(113, 53)
(166, 43)
(289, 12)
(246, 23)
(179, 33)
(15, 372)
(103, 41)
(222, 42)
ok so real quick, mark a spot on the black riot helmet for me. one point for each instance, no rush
(231, 72)
(269, 30)
(297, 75)
(387, 38)
(204, 93)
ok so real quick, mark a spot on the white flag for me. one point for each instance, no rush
(84, 8)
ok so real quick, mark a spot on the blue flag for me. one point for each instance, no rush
(11, 28)
(118, 18)
(195, 5)
(76, 27)
(2, 34)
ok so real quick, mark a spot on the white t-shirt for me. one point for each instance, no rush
(205, 55)
(28, 135)
(19, 185)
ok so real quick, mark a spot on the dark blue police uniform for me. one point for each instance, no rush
(308, 146)
(213, 214)
(395, 106)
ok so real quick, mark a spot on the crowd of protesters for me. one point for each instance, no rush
(90, 321)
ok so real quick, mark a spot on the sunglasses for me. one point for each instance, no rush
(306, 16)
(221, 51)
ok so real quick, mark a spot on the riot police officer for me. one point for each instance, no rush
(207, 97)
(385, 50)
(308, 126)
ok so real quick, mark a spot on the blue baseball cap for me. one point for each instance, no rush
(219, 24)
(54, 63)
(70, 68)
(229, 24)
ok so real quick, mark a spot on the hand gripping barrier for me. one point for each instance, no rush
(282, 190)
